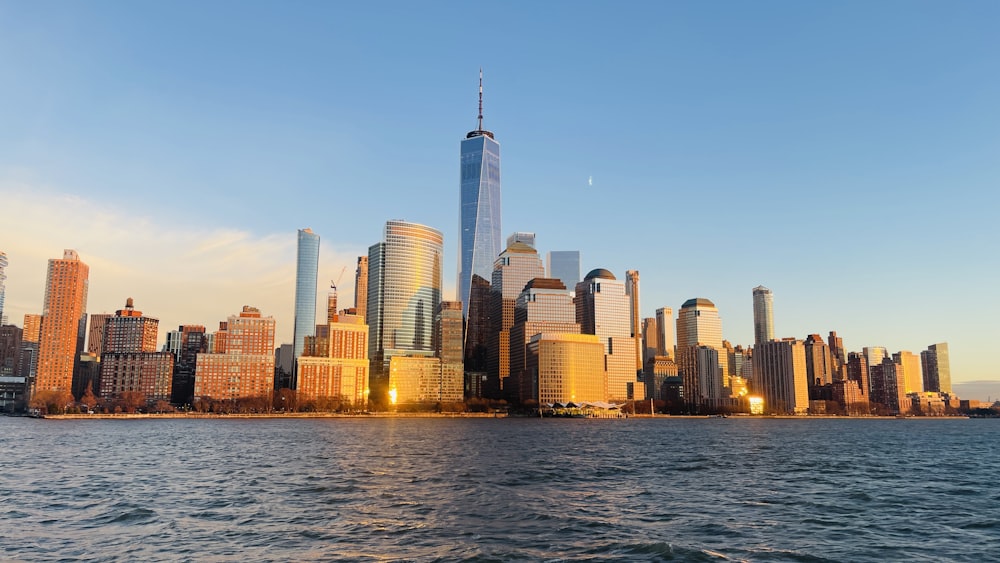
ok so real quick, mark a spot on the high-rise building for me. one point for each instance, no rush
(780, 375)
(887, 387)
(64, 322)
(3, 279)
(404, 291)
(603, 308)
(306, 280)
(699, 325)
(665, 324)
(650, 343)
(129, 360)
(191, 342)
(908, 365)
(361, 288)
(545, 305)
(763, 314)
(564, 265)
(480, 240)
(632, 291)
(512, 270)
(477, 335)
(936, 368)
(857, 371)
(874, 355)
(95, 336)
(818, 361)
(567, 367)
(241, 363)
(341, 372)
(10, 349)
(27, 362)
(838, 356)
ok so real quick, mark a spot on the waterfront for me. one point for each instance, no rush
(442, 489)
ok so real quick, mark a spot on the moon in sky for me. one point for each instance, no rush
(590, 180)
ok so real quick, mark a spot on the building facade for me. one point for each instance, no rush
(361, 288)
(64, 322)
(936, 368)
(564, 265)
(666, 339)
(568, 367)
(908, 365)
(242, 362)
(780, 376)
(479, 240)
(306, 280)
(632, 291)
(404, 290)
(763, 314)
(512, 270)
(545, 305)
(699, 325)
(604, 309)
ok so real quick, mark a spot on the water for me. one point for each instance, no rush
(500, 490)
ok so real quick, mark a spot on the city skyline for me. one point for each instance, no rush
(195, 264)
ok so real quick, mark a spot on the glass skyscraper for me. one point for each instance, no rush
(306, 274)
(763, 314)
(404, 292)
(480, 241)
(565, 265)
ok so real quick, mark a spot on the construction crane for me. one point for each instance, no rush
(331, 300)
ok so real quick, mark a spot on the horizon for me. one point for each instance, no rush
(828, 152)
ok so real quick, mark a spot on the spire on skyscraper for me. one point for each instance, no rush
(479, 132)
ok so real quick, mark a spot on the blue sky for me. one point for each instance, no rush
(844, 154)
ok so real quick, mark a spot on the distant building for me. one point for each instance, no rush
(341, 373)
(513, 269)
(477, 331)
(3, 289)
(818, 361)
(242, 362)
(306, 282)
(568, 367)
(404, 291)
(27, 361)
(361, 289)
(191, 340)
(650, 342)
(838, 356)
(780, 376)
(129, 361)
(545, 305)
(519, 236)
(936, 368)
(888, 387)
(763, 315)
(857, 371)
(95, 336)
(666, 339)
(908, 365)
(564, 265)
(603, 309)
(10, 349)
(699, 326)
(64, 322)
(635, 326)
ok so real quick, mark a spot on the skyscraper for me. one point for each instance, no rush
(242, 360)
(64, 322)
(666, 339)
(564, 265)
(699, 326)
(512, 270)
(936, 367)
(404, 291)
(780, 374)
(361, 288)
(632, 290)
(763, 314)
(908, 365)
(95, 336)
(129, 360)
(602, 308)
(480, 241)
(306, 274)
(3, 278)
(544, 305)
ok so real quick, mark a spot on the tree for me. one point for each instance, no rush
(88, 399)
(130, 401)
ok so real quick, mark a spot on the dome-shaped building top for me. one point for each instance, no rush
(697, 302)
(599, 273)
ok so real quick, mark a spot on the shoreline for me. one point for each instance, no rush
(169, 416)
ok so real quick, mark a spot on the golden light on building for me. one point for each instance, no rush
(756, 405)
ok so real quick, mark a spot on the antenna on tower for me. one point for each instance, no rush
(480, 98)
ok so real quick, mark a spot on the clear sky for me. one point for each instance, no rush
(844, 154)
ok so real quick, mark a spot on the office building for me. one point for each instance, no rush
(306, 280)
(521, 236)
(632, 291)
(418, 379)
(763, 315)
(3, 285)
(27, 362)
(191, 340)
(887, 388)
(604, 309)
(666, 339)
(857, 371)
(480, 241)
(780, 376)
(10, 349)
(241, 363)
(361, 288)
(838, 356)
(404, 291)
(129, 362)
(650, 344)
(340, 373)
(908, 365)
(567, 367)
(698, 326)
(545, 305)
(818, 361)
(95, 335)
(64, 322)
(936, 368)
(512, 270)
(564, 265)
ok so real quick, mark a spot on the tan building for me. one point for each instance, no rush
(780, 376)
(603, 309)
(699, 326)
(64, 322)
(568, 367)
(632, 291)
(242, 364)
(419, 379)
(908, 365)
(518, 264)
(342, 372)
